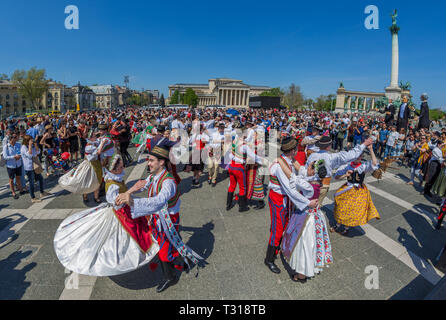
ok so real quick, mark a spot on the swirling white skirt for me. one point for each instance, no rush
(94, 243)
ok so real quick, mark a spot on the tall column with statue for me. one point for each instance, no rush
(394, 91)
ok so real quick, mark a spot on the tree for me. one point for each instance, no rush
(190, 98)
(4, 77)
(175, 99)
(293, 97)
(274, 92)
(31, 85)
(162, 101)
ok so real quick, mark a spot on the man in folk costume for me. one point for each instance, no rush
(237, 172)
(333, 160)
(281, 198)
(162, 209)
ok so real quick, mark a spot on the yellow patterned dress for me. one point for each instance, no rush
(353, 203)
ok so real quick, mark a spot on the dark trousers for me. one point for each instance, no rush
(433, 171)
(123, 146)
(31, 178)
(83, 144)
(382, 147)
(340, 143)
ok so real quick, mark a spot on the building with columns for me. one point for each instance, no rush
(221, 91)
(360, 102)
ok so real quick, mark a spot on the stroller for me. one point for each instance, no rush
(59, 163)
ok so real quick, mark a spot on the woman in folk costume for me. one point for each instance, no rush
(306, 243)
(106, 240)
(162, 209)
(282, 198)
(353, 202)
(255, 176)
(87, 177)
(108, 148)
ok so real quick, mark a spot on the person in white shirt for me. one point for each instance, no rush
(333, 161)
(215, 154)
(11, 153)
(29, 150)
(391, 143)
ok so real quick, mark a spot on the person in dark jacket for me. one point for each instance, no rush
(390, 113)
(424, 121)
(403, 115)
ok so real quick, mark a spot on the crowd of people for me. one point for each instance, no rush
(315, 147)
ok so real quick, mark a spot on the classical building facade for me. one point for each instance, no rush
(106, 96)
(221, 91)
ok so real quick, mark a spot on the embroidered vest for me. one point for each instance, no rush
(121, 185)
(237, 153)
(172, 202)
(109, 143)
(273, 179)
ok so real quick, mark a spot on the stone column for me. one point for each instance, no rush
(395, 61)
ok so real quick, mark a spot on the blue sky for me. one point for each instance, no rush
(314, 44)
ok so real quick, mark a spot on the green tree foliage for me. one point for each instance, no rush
(4, 76)
(293, 97)
(325, 103)
(32, 84)
(175, 98)
(436, 114)
(162, 101)
(190, 98)
(274, 92)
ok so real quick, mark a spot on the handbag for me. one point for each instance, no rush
(37, 166)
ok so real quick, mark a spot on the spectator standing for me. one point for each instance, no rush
(11, 153)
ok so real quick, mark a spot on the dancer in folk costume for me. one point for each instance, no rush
(241, 155)
(108, 148)
(106, 241)
(353, 202)
(106, 151)
(87, 177)
(306, 242)
(333, 161)
(162, 208)
(255, 176)
(282, 197)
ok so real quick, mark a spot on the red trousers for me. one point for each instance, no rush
(279, 217)
(167, 252)
(237, 175)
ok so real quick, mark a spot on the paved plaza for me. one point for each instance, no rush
(403, 246)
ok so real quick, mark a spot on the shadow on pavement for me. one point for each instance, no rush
(7, 223)
(201, 241)
(417, 289)
(12, 282)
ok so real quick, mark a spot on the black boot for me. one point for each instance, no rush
(269, 260)
(243, 204)
(229, 204)
(169, 274)
(260, 205)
